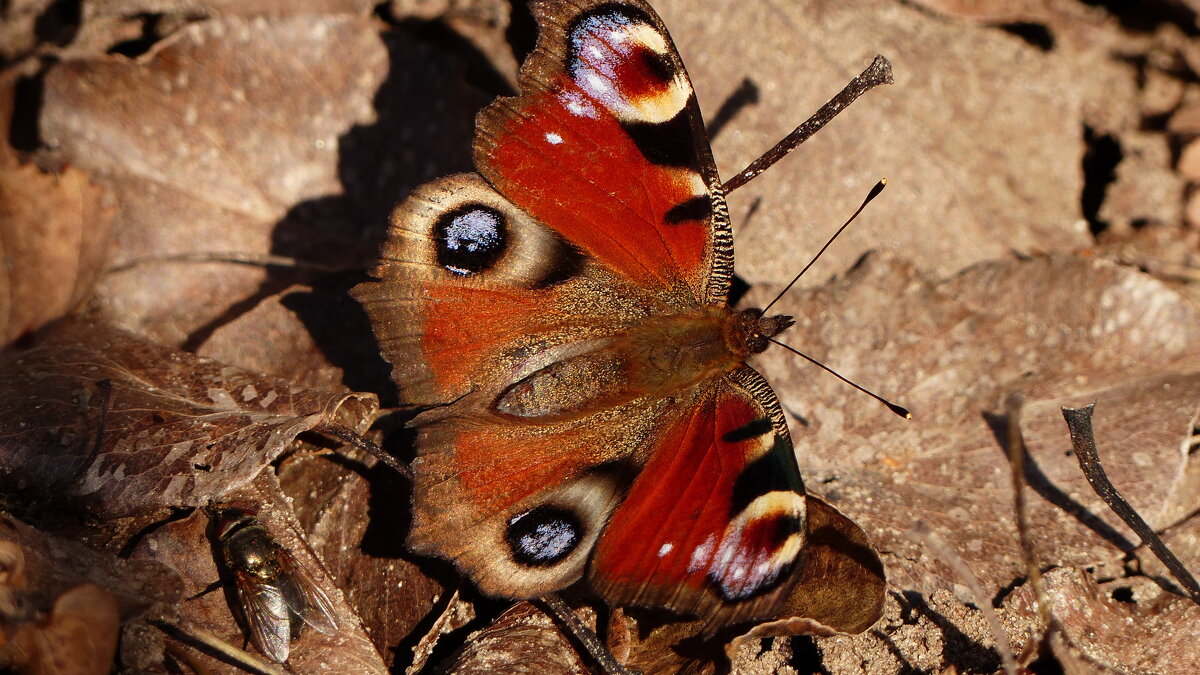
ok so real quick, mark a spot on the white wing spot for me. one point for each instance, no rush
(597, 85)
(553, 138)
(473, 230)
(665, 549)
(701, 553)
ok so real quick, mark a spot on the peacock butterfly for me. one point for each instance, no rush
(561, 319)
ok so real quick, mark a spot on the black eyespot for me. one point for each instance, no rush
(658, 65)
(470, 239)
(544, 535)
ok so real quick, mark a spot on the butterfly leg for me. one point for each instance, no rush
(592, 644)
(351, 437)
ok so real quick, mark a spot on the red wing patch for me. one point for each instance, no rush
(714, 524)
(463, 327)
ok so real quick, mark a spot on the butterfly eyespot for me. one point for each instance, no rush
(544, 535)
(619, 59)
(760, 547)
(470, 239)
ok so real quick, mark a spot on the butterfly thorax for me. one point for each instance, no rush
(656, 357)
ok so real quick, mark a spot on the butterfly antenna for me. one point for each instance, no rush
(899, 410)
(879, 72)
(870, 195)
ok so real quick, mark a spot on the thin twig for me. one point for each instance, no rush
(231, 258)
(948, 555)
(214, 646)
(1079, 423)
(879, 72)
(1016, 459)
(556, 607)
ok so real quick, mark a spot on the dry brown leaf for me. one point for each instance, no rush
(314, 336)
(54, 230)
(355, 518)
(1150, 632)
(206, 145)
(52, 565)
(175, 430)
(79, 637)
(456, 614)
(522, 640)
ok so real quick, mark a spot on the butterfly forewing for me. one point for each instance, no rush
(606, 144)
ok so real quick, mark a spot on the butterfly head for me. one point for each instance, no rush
(753, 331)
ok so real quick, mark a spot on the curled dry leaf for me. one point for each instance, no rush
(124, 426)
(78, 637)
(842, 587)
(1149, 631)
(521, 640)
(53, 238)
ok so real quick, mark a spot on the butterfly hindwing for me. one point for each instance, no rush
(714, 524)
(520, 507)
(466, 279)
